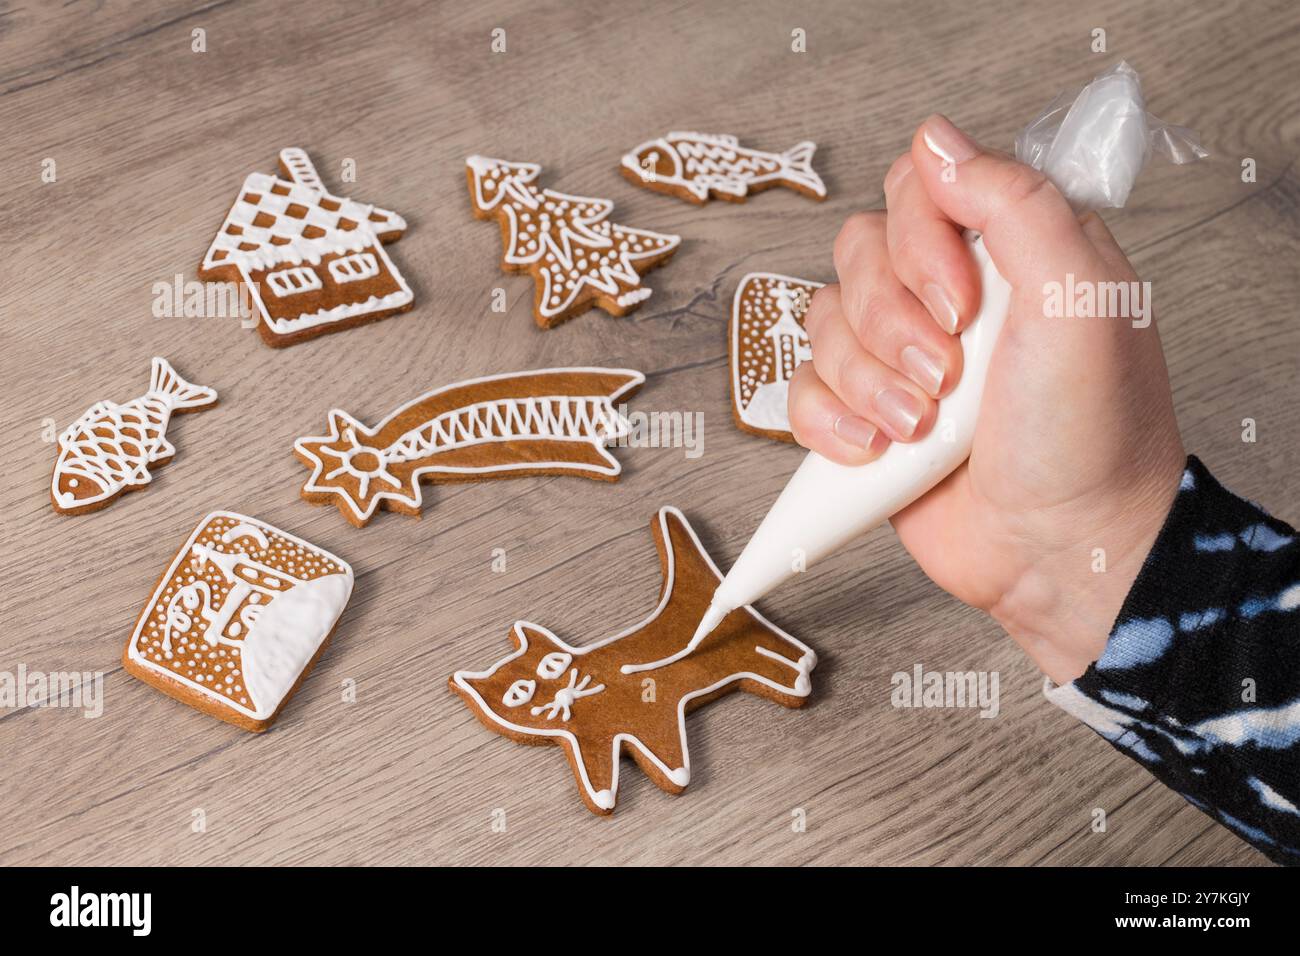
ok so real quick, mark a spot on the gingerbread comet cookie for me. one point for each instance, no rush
(697, 166)
(553, 421)
(768, 343)
(109, 450)
(238, 619)
(311, 261)
(585, 700)
(577, 258)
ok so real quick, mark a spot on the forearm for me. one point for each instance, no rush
(1199, 679)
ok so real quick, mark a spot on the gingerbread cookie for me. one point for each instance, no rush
(238, 619)
(695, 166)
(108, 450)
(582, 699)
(546, 422)
(768, 342)
(313, 262)
(576, 257)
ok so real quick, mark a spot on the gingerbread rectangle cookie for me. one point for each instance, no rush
(768, 343)
(237, 620)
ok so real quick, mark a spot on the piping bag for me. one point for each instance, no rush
(1092, 147)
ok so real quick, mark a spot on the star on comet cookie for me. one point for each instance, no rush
(585, 700)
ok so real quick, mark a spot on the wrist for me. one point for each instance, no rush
(1063, 605)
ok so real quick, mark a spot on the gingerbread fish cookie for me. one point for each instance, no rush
(312, 262)
(697, 166)
(577, 258)
(767, 343)
(547, 422)
(584, 699)
(110, 449)
(238, 619)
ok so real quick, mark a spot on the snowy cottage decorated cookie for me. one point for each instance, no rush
(768, 342)
(238, 619)
(312, 262)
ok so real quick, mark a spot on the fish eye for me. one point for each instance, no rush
(519, 693)
(553, 664)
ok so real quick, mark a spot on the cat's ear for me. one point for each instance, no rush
(535, 641)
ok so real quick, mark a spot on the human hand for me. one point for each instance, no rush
(1077, 447)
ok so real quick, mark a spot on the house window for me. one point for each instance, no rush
(354, 268)
(293, 281)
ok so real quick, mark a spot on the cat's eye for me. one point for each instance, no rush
(520, 692)
(553, 664)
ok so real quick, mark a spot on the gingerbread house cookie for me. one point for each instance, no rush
(313, 262)
(768, 342)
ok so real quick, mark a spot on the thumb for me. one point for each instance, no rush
(1029, 229)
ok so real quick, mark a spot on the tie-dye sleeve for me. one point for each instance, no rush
(1200, 679)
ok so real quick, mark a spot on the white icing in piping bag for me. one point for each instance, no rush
(1092, 147)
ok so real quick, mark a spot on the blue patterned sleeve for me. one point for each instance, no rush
(1200, 678)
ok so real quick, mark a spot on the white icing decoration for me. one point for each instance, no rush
(294, 280)
(305, 193)
(121, 460)
(354, 268)
(564, 699)
(286, 618)
(553, 665)
(231, 535)
(680, 776)
(286, 636)
(766, 408)
(589, 419)
(519, 693)
(707, 162)
(571, 232)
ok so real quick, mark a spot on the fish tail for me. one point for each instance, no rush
(797, 171)
(166, 383)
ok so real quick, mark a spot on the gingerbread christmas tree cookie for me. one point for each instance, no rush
(767, 343)
(576, 256)
(592, 700)
(312, 262)
(238, 619)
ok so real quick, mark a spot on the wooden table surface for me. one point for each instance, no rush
(150, 141)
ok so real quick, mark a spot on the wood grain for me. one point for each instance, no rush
(151, 140)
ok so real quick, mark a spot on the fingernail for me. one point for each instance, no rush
(902, 410)
(855, 431)
(924, 369)
(946, 141)
(941, 306)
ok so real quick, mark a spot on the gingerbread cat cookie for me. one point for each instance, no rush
(238, 619)
(312, 261)
(111, 448)
(697, 166)
(584, 700)
(577, 258)
(767, 343)
(553, 421)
